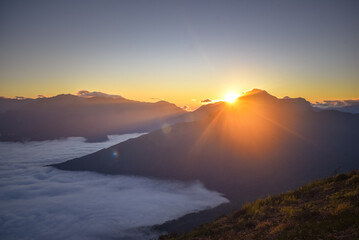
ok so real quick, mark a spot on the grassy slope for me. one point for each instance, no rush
(324, 209)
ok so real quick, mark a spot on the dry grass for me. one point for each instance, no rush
(324, 209)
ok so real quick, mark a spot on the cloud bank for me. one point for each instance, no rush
(39, 202)
(187, 108)
(337, 103)
(206, 100)
(87, 94)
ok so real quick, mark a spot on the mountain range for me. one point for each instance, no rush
(91, 115)
(256, 146)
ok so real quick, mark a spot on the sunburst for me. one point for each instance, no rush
(231, 97)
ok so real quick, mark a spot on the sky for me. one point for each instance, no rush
(180, 51)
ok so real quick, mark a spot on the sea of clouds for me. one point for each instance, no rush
(38, 202)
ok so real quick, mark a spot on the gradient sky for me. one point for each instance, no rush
(180, 50)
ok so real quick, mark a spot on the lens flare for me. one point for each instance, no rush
(115, 153)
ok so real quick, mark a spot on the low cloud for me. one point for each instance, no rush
(87, 94)
(187, 108)
(158, 99)
(336, 103)
(206, 100)
(46, 203)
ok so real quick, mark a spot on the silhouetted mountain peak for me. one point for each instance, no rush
(169, 105)
(256, 101)
(92, 117)
(299, 103)
(208, 109)
(65, 99)
(64, 96)
(262, 99)
(61, 99)
(256, 94)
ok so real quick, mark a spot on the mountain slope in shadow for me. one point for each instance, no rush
(69, 115)
(324, 209)
(256, 146)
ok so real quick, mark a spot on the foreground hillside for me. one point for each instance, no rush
(324, 209)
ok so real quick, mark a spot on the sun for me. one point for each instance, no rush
(231, 97)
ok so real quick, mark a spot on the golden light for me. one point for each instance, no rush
(231, 97)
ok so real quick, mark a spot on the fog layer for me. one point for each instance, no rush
(39, 202)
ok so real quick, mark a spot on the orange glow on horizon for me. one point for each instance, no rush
(231, 97)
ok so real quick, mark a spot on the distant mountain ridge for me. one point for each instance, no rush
(10, 104)
(258, 145)
(94, 118)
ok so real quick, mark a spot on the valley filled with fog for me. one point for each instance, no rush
(38, 202)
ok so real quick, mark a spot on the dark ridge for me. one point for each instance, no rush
(323, 209)
(94, 118)
(260, 145)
